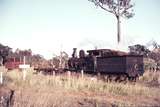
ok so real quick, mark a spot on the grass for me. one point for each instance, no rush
(38, 90)
(149, 77)
(77, 84)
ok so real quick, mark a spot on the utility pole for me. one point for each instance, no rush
(60, 63)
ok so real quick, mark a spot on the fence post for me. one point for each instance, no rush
(2, 69)
(54, 73)
(1, 76)
(69, 74)
(24, 67)
(82, 72)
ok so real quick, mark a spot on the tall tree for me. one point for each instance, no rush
(119, 8)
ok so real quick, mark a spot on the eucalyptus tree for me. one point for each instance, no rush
(119, 8)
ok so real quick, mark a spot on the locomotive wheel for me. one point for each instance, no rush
(106, 78)
(132, 79)
(99, 76)
(118, 78)
(114, 78)
(123, 78)
(111, 78)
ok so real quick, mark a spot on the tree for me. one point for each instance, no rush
(155, 45)
(4, 52)
(37, 60)
(119, 8)
(61, 60)
(139, 50)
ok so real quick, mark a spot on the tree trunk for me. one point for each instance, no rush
(118, 29)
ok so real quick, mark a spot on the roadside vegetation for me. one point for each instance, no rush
(40, 90)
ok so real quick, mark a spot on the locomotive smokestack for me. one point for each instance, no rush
(74, 55)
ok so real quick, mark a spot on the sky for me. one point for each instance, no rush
(49, 26)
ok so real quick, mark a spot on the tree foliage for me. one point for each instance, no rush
(116, 7)
(143, 50)
(139, 50)
(4, 52)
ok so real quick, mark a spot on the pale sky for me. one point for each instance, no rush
(48, 26)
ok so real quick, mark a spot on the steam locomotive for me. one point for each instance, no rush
(111, 63)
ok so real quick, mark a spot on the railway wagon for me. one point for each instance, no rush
(13, 63)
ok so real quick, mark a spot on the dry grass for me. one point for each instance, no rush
(78, 84)
(149, 77)
(38, 90)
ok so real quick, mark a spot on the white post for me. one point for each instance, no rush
(82, 72)
(24, 74)
(54, 73)
(69, 74)
(1, 76)
(23, 69)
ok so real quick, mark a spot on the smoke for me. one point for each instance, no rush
(94, 44)
(89, 44)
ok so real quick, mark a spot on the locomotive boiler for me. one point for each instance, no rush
(111, 63)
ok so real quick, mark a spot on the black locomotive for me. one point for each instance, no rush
(113, 64)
